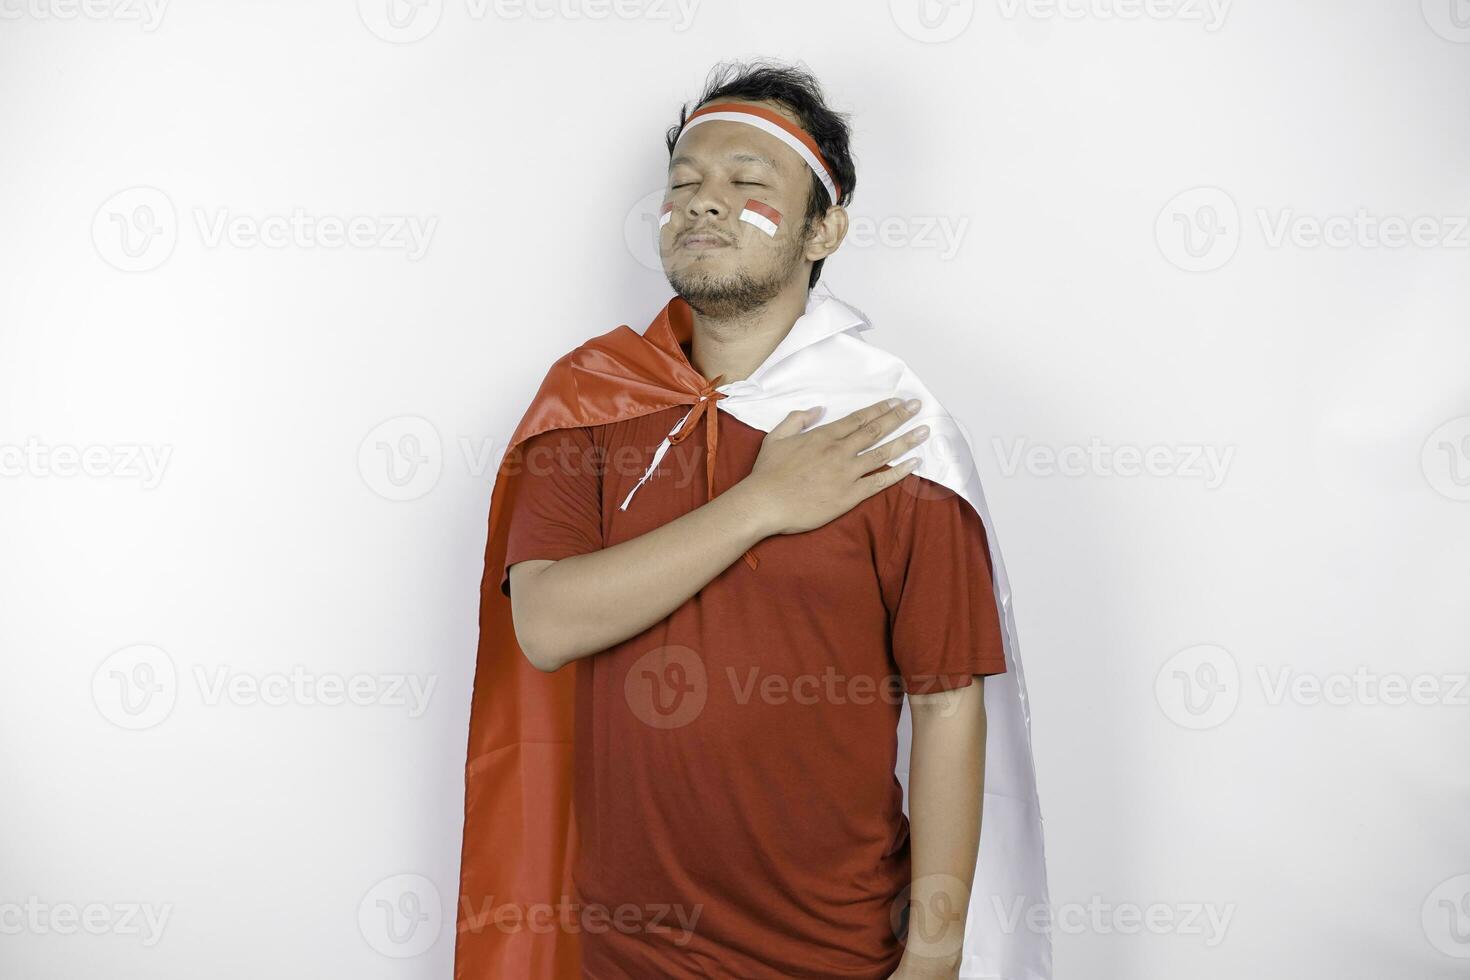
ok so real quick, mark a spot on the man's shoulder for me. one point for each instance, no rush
(562, 372)
(621, 341)
(583, 388)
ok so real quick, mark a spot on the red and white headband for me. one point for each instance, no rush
(778, 126)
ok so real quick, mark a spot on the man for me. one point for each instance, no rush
(722, 632)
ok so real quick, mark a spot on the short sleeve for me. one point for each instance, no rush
(558, 508)
(944, 622)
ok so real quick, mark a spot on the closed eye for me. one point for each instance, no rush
(743, 183)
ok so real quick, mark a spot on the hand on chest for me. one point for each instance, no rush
(838, 559)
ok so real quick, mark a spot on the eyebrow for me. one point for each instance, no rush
(738, 156)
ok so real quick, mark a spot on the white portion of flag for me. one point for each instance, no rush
(760, 221)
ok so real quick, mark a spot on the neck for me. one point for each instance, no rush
(735, 344)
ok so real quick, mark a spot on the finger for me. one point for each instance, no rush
(893, 448)
(852, 422)
(795, 421)
(885, 477)
(871, 431)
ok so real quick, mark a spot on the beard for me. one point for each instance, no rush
(729, 296)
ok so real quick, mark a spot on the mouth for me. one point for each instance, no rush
(703, 242)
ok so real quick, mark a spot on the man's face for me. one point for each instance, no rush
(720, 265)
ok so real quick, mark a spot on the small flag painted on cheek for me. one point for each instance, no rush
(763, 216)
(665, 214)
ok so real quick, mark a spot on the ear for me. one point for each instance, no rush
(826, 234)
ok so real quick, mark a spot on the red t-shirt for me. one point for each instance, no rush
(734, 779)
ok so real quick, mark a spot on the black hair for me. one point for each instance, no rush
(798, 91)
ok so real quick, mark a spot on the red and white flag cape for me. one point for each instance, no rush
(520, 831)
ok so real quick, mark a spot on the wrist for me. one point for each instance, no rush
(749, 505)
(914, 966)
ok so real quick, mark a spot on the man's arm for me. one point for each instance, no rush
(576, 606)
(947, 637)
(946, 795)
(582, 604)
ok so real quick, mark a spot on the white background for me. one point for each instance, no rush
(1082, 210)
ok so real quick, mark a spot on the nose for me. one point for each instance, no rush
(704, 201)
